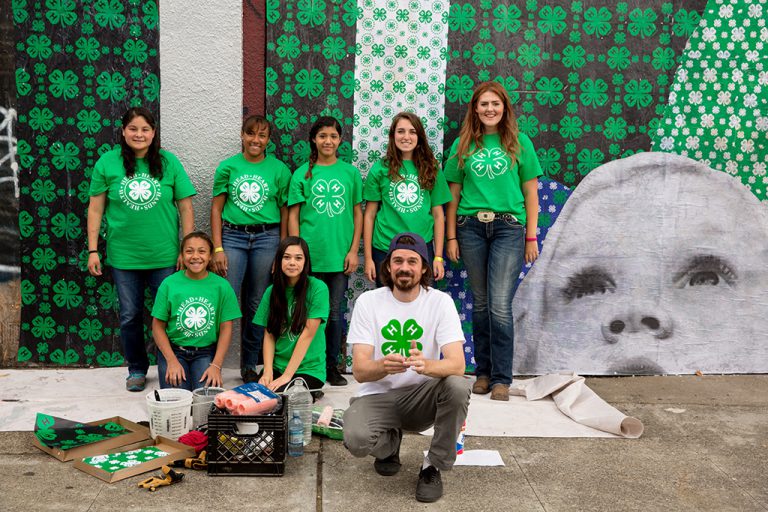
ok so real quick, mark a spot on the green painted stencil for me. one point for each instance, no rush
(117, 461)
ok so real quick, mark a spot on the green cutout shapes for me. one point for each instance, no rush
(400, 336)
(64, 359)
(109, 359)
(23, 355)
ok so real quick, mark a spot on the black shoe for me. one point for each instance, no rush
(430, 486)
(249, 375)
(390, 465)
(334, 378)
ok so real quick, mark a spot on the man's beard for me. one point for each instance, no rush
(410, 285)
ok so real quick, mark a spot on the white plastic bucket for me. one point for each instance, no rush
(202, 398)
(171, 417)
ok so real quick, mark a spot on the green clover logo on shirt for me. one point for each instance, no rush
(195, 317)
(328, 197)
(489, 162)
(250, 192)
(400, 336)
(405, 195)
(140, 192)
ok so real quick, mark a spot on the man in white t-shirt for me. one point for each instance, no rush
(398, 333)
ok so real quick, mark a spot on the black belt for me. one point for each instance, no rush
(251, 229)
(487, 216)
(190, 348)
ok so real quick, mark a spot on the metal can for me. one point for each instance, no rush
(460, 439)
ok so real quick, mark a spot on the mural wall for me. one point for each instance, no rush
(78, 66)
(594, 82)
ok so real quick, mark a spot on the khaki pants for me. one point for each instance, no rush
(372, 422)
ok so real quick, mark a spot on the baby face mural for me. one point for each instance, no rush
(656, 265)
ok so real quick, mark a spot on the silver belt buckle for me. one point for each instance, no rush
(486, 216)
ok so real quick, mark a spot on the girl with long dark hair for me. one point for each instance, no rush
(324, 207)
(404, 192)
(144, 193)
(491, 223)
(293, 311)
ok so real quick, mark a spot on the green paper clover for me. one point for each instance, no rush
(401, 337)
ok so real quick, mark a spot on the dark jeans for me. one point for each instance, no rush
(493, 255)
(130, 286)
(249, 258)
(194, 362)
(380, 256)
(337, 286)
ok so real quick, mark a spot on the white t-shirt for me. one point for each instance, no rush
(389, 325)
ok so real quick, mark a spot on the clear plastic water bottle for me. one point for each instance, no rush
(295, 436)
(300, 400)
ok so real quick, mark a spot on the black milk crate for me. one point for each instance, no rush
(234, 451)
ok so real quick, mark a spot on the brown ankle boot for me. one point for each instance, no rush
(481, 386)
(500, 392)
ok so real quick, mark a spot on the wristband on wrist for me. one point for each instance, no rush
(92, 251)
(531, 239)
(449, 239)
(215, 365)
(439, 258)
(218, 250)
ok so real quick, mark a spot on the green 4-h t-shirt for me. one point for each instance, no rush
(317, 307)
(326, 217)
(490, 180)
(195, 308)
(255, 191)
(142, 219)
(403, 204)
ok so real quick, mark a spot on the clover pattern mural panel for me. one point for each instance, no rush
(310, 72)
(588, 79)
(9, 182)
(79, 65)
(718, 106)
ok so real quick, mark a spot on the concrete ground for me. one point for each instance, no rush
(705, 447)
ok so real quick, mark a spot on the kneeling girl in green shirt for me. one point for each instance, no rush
(192, 323)
(293, 311)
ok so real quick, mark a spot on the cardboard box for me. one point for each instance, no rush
(174, 449)
(136, 433)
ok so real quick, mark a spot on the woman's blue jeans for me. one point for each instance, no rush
(130, 286)
(337, 287)
(493, 255)
(249, 258)
(194, 362)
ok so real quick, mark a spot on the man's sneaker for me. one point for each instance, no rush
(334, 378)
(135, 382)
(430, 486)
(390, 465)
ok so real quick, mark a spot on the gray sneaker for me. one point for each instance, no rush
(135, 382)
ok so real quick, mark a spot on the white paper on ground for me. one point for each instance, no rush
(479, 458)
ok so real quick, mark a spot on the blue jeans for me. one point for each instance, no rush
(130, 286)
(380, 256)
(249, 258)
(337, 286)
(493, 255)
(194, 362)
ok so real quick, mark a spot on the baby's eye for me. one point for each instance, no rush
(705, 270)
(586, 282)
